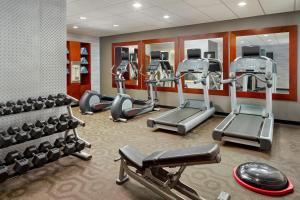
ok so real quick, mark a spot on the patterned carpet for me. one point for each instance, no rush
(73, 179)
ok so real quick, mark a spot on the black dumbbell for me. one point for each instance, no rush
(48, 103)
(72, 123)
(37, 105)
(67, 148)
(40, 123)
(10, 103)
(13, 107)
(79, 144)
(13, 130)
(57, 101)
(20, 135)
(16, 109)
(6, 110)
(21, 164)
(34, 132)
(61, 126)
(26, 106)
(67, 100)
(38, 158)
(3, 172)
(48, 129)
(53, 153)
(2, 104)
(5, 139)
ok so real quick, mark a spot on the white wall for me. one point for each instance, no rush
(95, 57)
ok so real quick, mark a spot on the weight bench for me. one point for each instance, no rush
(150, 170)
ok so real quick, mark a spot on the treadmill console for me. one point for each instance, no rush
(155, 61)
(195, 66)
(252, 62)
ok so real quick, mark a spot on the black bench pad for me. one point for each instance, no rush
(133, 156)
(205, 153)
(195, 155)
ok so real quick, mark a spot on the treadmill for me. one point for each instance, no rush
(190, 112)
(249, 124)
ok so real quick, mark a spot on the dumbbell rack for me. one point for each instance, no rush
(30, 117)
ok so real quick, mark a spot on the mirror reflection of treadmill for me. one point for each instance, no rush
(133, 66)
(215, 71)
(167, 69)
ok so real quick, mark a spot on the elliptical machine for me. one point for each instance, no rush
(92, 101)
(125, 107)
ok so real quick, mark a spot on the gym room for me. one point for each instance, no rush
(149, 99)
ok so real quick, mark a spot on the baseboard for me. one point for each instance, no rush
(165, 106)
(280, 121)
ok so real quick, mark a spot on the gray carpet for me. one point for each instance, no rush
(73, 179)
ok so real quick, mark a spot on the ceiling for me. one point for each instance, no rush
(102, 15)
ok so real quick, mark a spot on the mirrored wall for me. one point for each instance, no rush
(278, 44)
(274, 46)
(210, 48)
(168, 61)
(128, 53)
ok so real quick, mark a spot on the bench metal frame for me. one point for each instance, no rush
(163, 182)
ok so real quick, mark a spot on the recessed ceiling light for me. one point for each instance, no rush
(242, 4)
(82, 18)
(75, 27)
(115, 25)
(266, 35)
(166, 16)
(137, 5)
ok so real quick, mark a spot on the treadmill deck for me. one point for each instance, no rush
(174, 118)
(245, 127)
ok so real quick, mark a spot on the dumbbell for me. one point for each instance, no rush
(72, 123)
(20, 135)
(53, 153)
(79, 144)
(40, 123)
(47, 129)
(60, 125)
(37, 105)
(3, 172)
(34, 132)
(5, 110)
(58, 101)
(10, 103)
(38, 158)
(48, 103)
(67, 100)
(26, 106)
(21, 164)
(5, 139)
(67, 148)
(14, 107)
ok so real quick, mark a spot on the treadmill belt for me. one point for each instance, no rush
(177, 116)
(245, 127)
